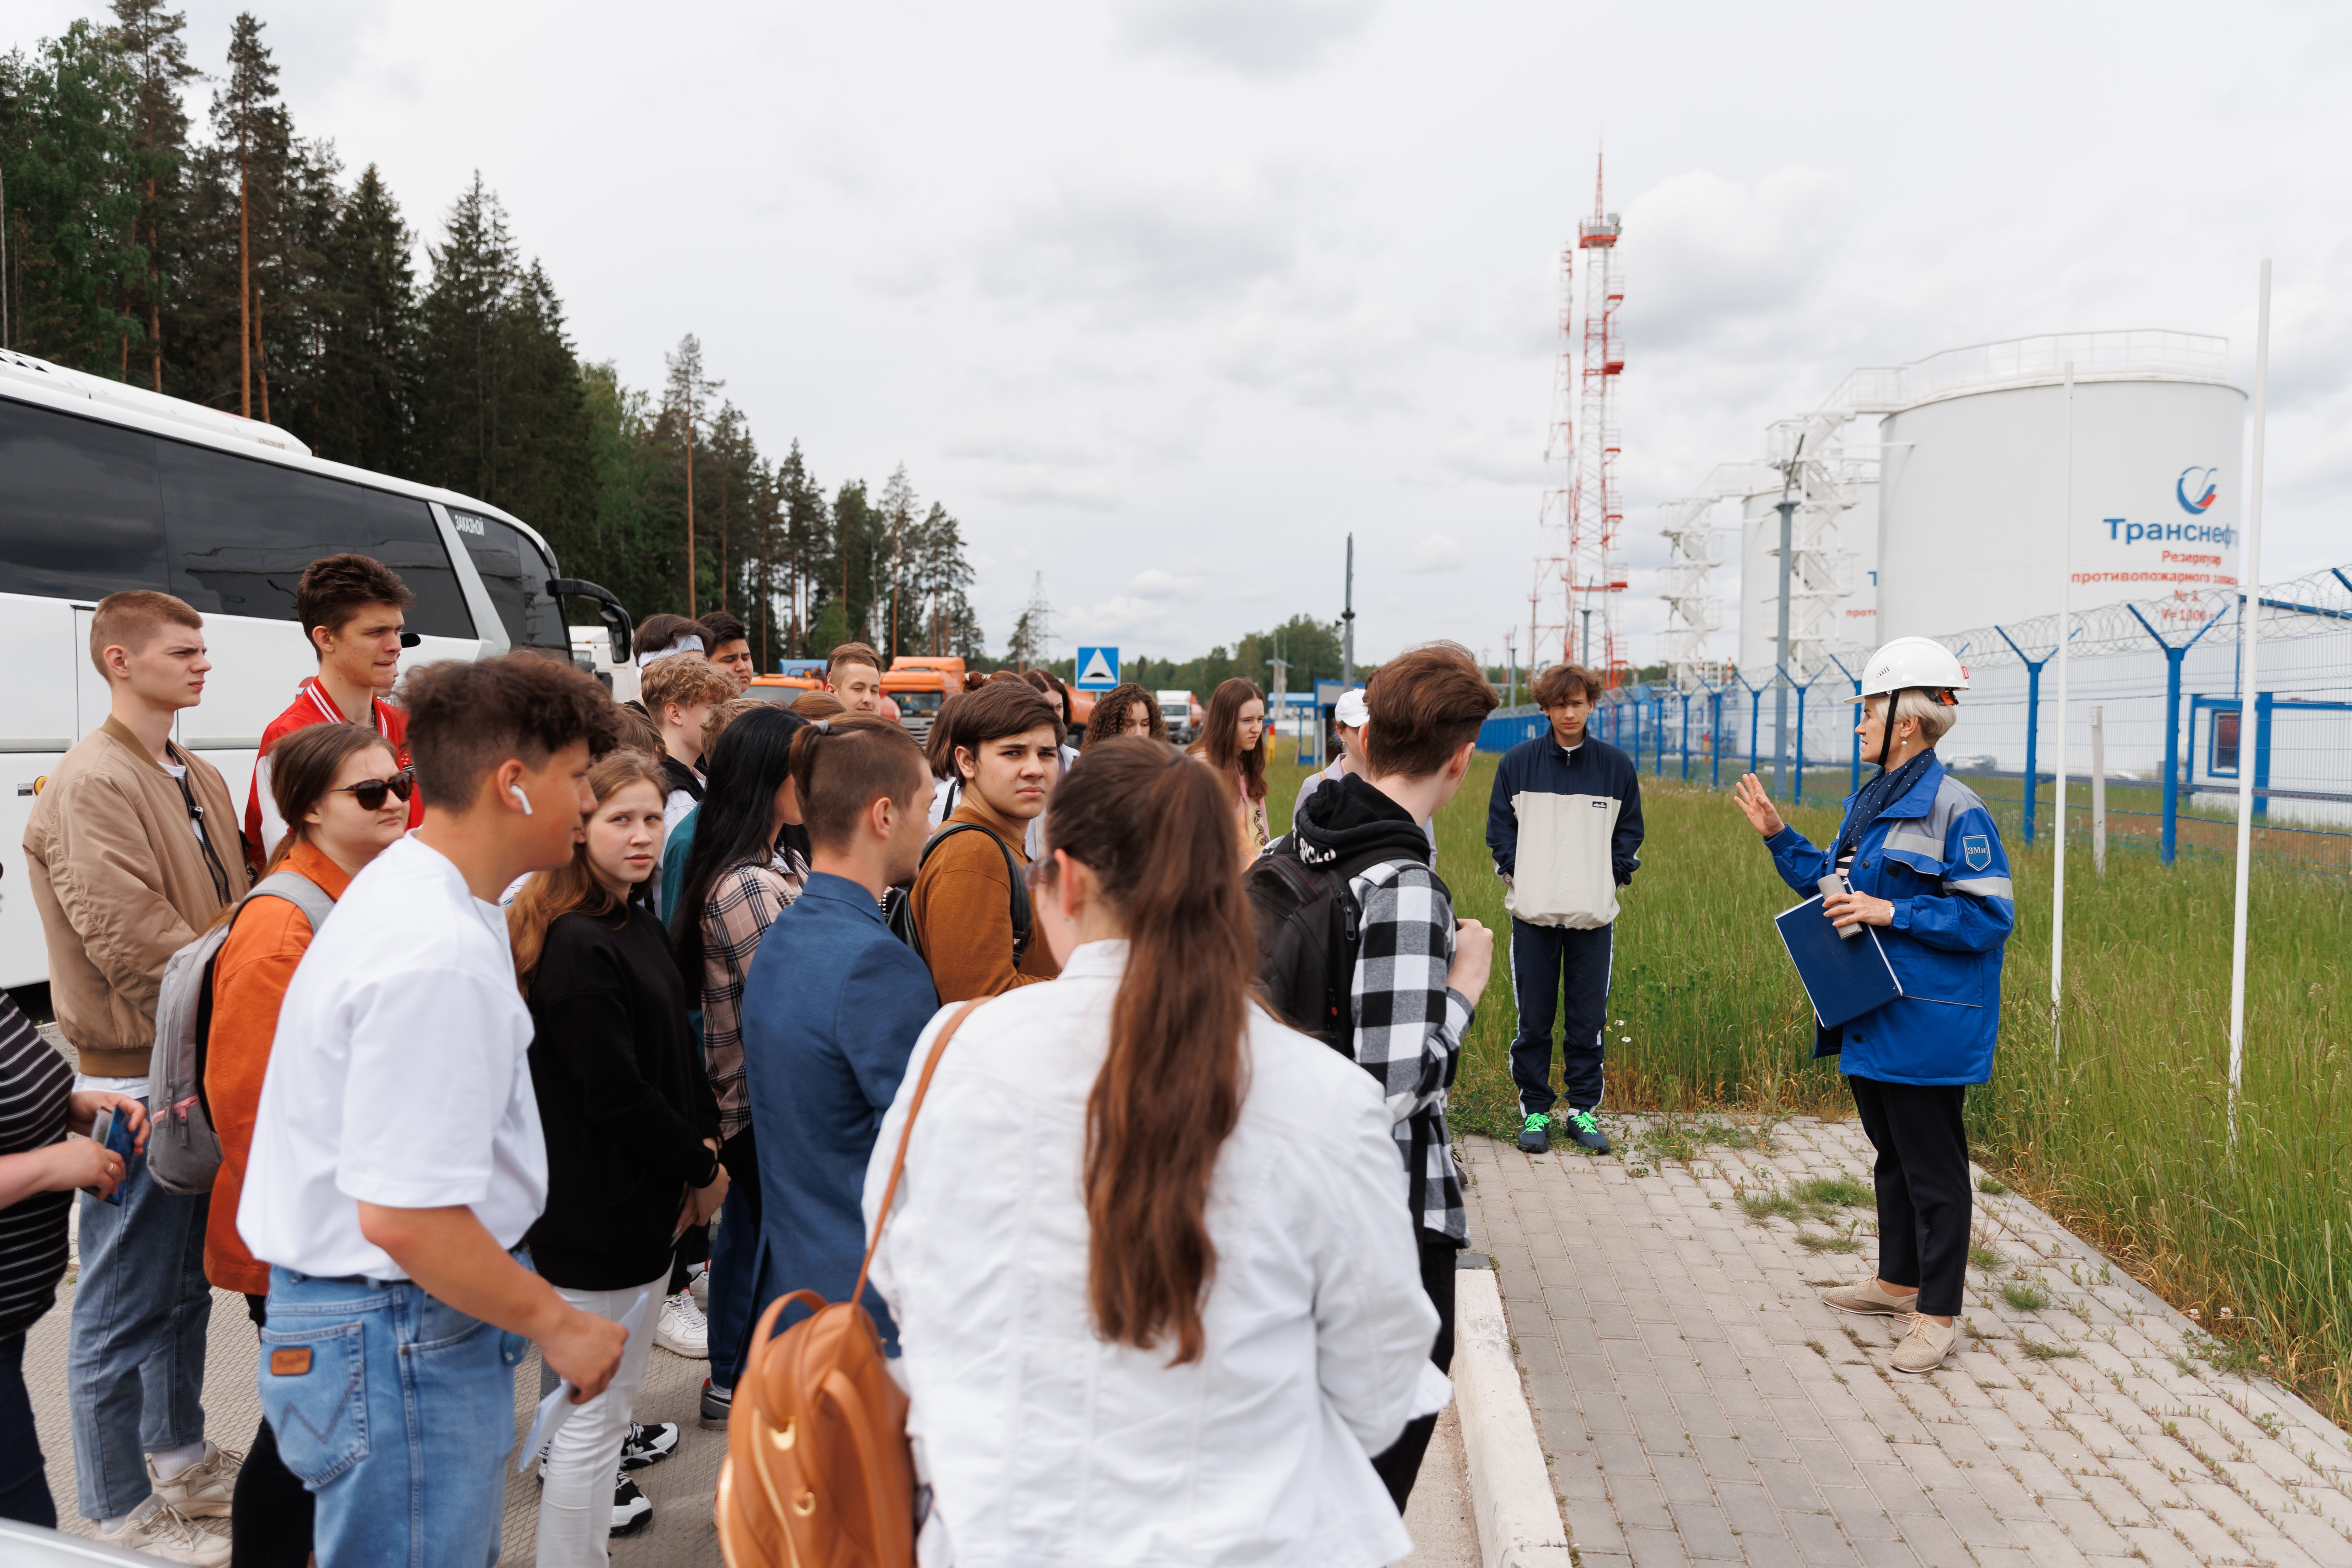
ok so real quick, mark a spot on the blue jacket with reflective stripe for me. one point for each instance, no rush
(1937, 857)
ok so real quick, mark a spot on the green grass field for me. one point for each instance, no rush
(2121, 1130)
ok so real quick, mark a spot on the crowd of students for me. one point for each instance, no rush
(532, 1002)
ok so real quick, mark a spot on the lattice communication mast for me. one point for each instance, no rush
(1584, 515)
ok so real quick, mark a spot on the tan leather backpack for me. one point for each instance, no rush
(818, 1473)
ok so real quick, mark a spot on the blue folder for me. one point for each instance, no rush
(1844, 977)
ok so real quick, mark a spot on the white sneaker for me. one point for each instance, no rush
(159, 1530)
(205, 1489)
(683, 1330)
(697, 1285)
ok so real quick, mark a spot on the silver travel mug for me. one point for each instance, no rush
(1833, 883)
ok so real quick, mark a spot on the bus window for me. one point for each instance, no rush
(241, 532)
(516, 574)
(79, 518)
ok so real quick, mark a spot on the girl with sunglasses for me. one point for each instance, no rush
(344, 800)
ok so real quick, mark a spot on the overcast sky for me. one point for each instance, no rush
(1164, 298)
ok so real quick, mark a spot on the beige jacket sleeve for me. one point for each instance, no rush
(107, 875)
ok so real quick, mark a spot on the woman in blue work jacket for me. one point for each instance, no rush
(1922, 861)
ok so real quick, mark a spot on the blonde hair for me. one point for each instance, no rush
(548, 896)
(1935, 717)
(684, 679)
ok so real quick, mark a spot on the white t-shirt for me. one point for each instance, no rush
(401, 1075)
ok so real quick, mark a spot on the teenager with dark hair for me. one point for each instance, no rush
(630, 1127)
(727, 644)
(748, 863)
(1126, 1190)
(345, 801)
(1232, 743)
(353, 608)
(938, 751)
(833, 1006)
(659, 635)
(1006, 745)
(1128, 710)
(1566, 811)
(398, 1229)
(1048, 685)
(1417, 972)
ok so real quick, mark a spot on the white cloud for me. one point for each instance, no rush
(1436, 552)
(1263, 38)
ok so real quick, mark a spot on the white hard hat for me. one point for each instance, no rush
(1908, 663)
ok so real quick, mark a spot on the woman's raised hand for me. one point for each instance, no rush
(1757, 801)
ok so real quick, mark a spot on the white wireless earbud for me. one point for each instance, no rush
(516, 791)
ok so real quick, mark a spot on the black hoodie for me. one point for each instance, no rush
(1357, 826)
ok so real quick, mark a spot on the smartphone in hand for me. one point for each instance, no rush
(114, 1131)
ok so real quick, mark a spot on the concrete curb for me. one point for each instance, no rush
(1511, 1492)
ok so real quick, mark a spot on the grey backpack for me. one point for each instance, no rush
(184, 1152)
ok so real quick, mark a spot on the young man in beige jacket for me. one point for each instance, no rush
(132, 848)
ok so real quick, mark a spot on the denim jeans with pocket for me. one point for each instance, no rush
(397, 1412)
(135, 1348)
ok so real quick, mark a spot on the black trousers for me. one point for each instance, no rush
(1555, 970)
(1923, 1187)
(24, 1479)
(269, 1513)
(1400, 1462)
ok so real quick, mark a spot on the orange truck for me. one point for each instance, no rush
(918, 683)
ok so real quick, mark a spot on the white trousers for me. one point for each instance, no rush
(575, 1508)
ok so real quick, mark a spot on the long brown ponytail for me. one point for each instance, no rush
(1157, 832)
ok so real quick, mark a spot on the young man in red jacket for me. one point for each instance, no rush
(353, 609)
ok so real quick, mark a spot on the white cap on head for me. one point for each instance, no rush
(1350, 709)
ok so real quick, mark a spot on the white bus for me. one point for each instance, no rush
(105, 487)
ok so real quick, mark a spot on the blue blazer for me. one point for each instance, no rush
(1934, 854)
(831, 1010)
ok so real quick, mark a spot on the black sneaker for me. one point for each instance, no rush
(1535, 1137)
(649, 1444)
(631, 1511)
(1586, 1132)
(716, 1403)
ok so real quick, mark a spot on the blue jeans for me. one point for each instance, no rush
(734, 1271)
(135, 1351)
(397, 1412)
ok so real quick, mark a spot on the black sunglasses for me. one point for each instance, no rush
(370, 793)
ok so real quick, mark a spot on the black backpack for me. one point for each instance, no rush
(898, 904)
(1308, 929)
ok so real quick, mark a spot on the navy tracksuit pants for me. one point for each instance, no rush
(1556, 971)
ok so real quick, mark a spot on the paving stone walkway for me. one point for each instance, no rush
(1698, 1403)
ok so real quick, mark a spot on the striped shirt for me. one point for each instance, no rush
(34, 1083)
(734, 918)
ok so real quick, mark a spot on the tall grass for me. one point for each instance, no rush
(2121, 1127)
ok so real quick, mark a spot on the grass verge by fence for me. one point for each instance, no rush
(2120, 1129)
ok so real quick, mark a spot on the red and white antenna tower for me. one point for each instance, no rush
(1583, 516)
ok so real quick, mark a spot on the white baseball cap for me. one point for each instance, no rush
(1350, 709)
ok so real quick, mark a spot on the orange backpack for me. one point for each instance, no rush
(818, 1473)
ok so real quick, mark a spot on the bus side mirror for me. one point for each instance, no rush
(609, 609)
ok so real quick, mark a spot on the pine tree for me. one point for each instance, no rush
(72, 199)
(152, 48)
(254, 131)
(461, 346)
(683, 401)
(366, 382)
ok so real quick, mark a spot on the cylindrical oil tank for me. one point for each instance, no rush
(1974, 485)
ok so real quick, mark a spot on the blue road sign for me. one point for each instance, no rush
(1097, 668)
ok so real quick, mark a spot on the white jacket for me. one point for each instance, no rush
(1046, 1446)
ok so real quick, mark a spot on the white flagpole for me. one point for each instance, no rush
(2248, 618)
(2058, 841)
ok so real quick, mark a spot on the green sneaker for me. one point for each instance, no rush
(1586, 1132)
(1535, 1137)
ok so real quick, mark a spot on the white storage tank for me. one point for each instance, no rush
(1973, 477)
(1759, 580)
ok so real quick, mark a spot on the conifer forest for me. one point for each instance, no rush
(166, 224)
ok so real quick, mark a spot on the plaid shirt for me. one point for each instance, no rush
(1409, 1024)
(737, 914)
